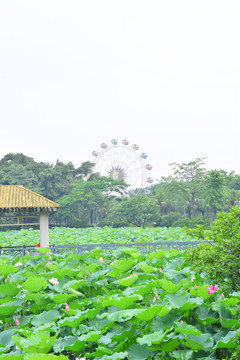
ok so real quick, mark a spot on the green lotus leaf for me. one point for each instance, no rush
(169, 286)
(114, 273)
(72, 321)
(39, 298)
(184, 328)
(147, 268)
(165, 322)
(45, 317)
(71, 343)
(226, 318)
(122, 265)
(75, 284)
(199, 342)
(231, 301)
(6, 269)
(26, 319)
(40, 342)
(9, 289)
(52, 267)
(6, 299)
(157, 255)
(116, 356)
(169, 345)
(192, 303)
(75, 292)
(35, 284)
(154, 338)
(164, 311)
(139, 352)
(142, 289)
(43, 250)
(6, 338)
(207, 315)
(149, 313)
(128, 281)
(178, 300)
(100, 351)
(121, 302)
(91, 336)
(92, 268)
(225, 339)
(200, 291)
(121, 336)
(61, 298)
(119, 316)
(10, 307)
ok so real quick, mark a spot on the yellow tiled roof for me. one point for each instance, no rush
(18, 197)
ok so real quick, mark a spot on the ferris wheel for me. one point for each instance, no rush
(123, 161)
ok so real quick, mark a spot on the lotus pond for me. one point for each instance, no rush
(107, 235)
(120, 305)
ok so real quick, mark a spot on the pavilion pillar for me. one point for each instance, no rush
(44, 234)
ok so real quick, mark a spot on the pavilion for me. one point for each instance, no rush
(17, 202)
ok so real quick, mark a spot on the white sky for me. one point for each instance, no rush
(162, 74)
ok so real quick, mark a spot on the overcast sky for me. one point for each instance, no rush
(162, 74)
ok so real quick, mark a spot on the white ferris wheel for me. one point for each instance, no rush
(123, 161)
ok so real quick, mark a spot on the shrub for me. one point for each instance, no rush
(191, 223)
(167, 220)
(220, 260)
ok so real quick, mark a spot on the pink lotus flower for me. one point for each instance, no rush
(101, 259)
(18, 264)
(154, 299)
(222, 295)
(53, 281)
(160, 269)
(212, 289)
(48, 263)
(98, 301)
(17, 322)
(67, 307)
(195, 286)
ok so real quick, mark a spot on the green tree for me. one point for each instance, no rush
(187, 182)
(141, 210)
(215, 191)
(18, 169)
(87, 200)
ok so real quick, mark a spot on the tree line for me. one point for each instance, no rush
(190, 196)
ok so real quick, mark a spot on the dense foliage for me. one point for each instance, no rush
(220, 260)
(189, 197)
(96, 235)
(122, 305)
